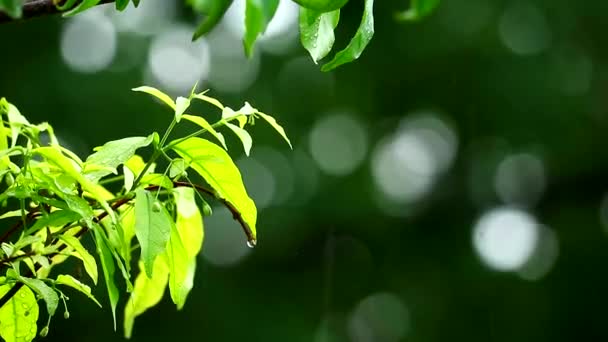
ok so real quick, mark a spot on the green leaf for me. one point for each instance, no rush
(112, 154)
(88, 260)
(317, 31)
(181, 104)
(220, 172)
(243, 135)
(152, 227)
(181, 269)
(107, 264)
(214, 11)
(178, 168)
(12, 7)
(158, 94)
(129, 177)
(258, 14)
(16, 122)
(79, 205)
(205, 125)
(46, 292)
(19, 315)
(121, 4)
(358, 43)
(276, 126)
(147, 293)
(82, 6)
(157, 179)
(68, 280)
(209, 100)
(57, 218)
(419, 9)
(189, 221)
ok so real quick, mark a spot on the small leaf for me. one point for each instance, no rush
(181, 104)
(419, 9)
(181, 269)
(147, 293)
(152, 228)
(243, 135)
(112, 154)
(19, 315)
(220, 172)
(129, 178)
(205, 125)
(68, 280)
(12, 8)
(178, 168)
(157, 179)
(214, 11)
(107, 264)
(317, 31)
(276, 126)
(258, 13)
(43, 290)
(88, 260)
(209, 100)
(16, 122)
(158, 94)
(358, 43)
(121, 4)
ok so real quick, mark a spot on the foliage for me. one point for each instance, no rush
(134, 214)
(318, 20)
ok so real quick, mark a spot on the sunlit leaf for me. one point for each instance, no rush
(181, 269)
(107, 264)
(88, 260)
(276, 126)
(358, 43)
(147, 292)
(220, 172)
(419, 9)
(214, 11)
(317, 31)
(258, 14)
(158, 94)
(57, 218)
(178, 167)
(19, 315)
(189, 221)
(16, 122)
(152, 228)
(181, 104)
(49, 295)
(205, 125)
(112, 154)
(68, 280)
(157, 179)
(243, 136)
(209, 100)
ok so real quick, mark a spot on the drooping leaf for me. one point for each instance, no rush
(243, 136)
(209, 100)
(181, 104)
(16, 122)
(107, 264)
(275, 125)
(19, 315)
(112, 154)
(68, 280)
(121, 4)
(220, 172)
(419, 9)
(205, 125)
(88, 260)
(181, 269)
(317, 31)
(258, 14)
(152, 228)
(45, 292)
(12, 8)
(358, 43)
(189, 221)
(147, 292)
(322, 5)
(214, 11)
(158, 94)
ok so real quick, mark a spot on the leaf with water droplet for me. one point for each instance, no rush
(317, 31)
(152, 227)
(19, 315)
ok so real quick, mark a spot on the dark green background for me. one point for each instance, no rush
(320, 259)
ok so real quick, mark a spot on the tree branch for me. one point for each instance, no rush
(39, 8)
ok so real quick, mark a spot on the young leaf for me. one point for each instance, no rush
(129, 177)
(214, 11)
(275, 125)
(16, 122)
(181, 104)
(181, 269)
(90, 265)
(112, 154)
(205, 125)
(209, 100)
(317, 31)
(107, 264)
(258, 14)
(218, 169)
(43, 290)
(358, 43)
(12, 8)
(189, 221)
(243, 135)
(68, 280)
(147, 293)
(19, 315)
(419, 9)
(152, 228)
(178, 168)
(158, 94)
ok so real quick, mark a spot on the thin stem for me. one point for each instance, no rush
(111, 180)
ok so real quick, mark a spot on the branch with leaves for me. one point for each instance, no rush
(318, 20)
(121, 202)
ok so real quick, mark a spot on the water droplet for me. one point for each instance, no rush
(251, 243)
(27, 313)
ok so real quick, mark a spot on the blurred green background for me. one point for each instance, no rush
(448, 186)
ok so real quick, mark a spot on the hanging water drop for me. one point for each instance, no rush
(251, 243)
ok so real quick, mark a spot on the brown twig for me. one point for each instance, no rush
(39, 8)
